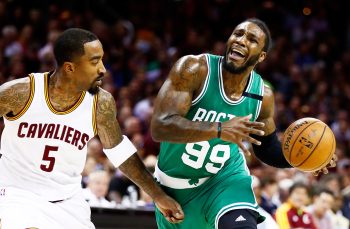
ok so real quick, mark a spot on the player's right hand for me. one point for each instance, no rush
(170, 209)
(238, 129)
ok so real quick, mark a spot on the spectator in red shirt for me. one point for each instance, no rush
(291, 214)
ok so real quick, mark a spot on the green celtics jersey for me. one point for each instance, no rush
(206, 158)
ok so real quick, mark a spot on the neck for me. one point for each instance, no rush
(62, 92)
(234, 84)
(60, 83)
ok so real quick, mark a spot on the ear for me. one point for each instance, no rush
(68, 67)
(262, 56)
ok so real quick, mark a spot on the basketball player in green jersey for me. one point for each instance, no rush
(203, 112)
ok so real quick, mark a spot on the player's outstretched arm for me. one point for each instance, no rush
(174, 100)
(14, 95)
(270, 150)
(118, 146)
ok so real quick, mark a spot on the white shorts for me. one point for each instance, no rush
(21, 209)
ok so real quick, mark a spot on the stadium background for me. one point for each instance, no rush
(308, 66)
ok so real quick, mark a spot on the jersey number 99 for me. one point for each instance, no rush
(196, 153)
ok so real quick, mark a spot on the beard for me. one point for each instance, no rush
(94, 89)
(253, 60)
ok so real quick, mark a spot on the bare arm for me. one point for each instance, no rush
(266, 116)
(174, 100)
(110, 135)
(14, 95)
(267, 112)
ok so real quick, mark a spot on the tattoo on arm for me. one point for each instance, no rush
(110, 135)
(108, 128)
(174, 101)
(14, 95)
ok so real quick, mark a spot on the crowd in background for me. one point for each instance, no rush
(308, 68)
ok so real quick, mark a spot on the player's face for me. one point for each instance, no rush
(244, 48)
(90, 68)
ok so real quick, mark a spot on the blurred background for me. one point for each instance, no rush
(308, 68)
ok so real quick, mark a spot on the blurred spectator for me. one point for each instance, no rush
(132, 126)
(95, 150)
(12, 46)
(145, 200)
(97, 188)
(292, 214)
(269, 222)
(339, 219)
(269, 189)
(320, 208)
(118, 187)
(90, 166)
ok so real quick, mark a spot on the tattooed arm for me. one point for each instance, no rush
(110, 135)
(174, 100)
(14, 95)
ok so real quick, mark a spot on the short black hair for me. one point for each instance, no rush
(299, 185)
(70, 44)
(318, 190)
(262, 25)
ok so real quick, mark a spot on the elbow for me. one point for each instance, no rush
(162, 127)
(156, 130)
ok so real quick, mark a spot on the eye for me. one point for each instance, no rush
(95, 62)
(237, 33)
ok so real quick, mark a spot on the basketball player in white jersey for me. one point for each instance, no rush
(49, 119)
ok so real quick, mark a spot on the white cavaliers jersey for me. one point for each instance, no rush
(44, 150)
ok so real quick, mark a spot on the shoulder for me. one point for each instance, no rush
(191, 64)
(268, 104)
(17, 85)
(105, 103)
(268, 93)
(190, 68)
(104, 96)
(14, 95)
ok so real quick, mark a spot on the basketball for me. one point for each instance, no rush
(308, 144)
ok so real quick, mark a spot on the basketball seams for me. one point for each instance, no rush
(324, 130)
(291, 149)
(329, 156)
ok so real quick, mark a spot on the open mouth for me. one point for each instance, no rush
(236, 55)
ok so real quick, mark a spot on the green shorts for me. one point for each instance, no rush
(205, 204)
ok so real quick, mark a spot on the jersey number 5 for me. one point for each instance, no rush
(51, 160)
(196, 153)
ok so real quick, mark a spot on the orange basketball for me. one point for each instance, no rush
(308, 144)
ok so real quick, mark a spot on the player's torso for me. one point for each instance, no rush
(202, 159)
(44, 150)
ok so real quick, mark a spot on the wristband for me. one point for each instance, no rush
(219, 129)
(121, 152)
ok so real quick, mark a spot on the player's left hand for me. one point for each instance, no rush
(331, 164)
(171, 209)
